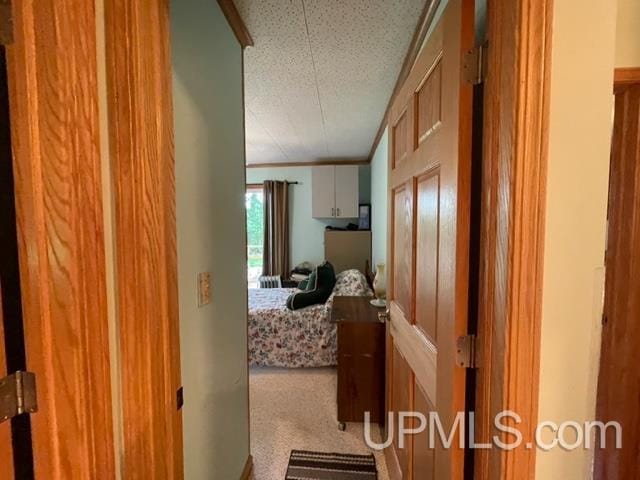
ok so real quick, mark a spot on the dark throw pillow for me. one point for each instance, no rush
(318, 288)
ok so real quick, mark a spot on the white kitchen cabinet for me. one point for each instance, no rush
(347, 191)
(323, 203)
(335, 191)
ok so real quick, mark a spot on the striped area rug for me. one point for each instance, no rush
(330, 466)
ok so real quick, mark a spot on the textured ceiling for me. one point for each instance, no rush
(320, 76)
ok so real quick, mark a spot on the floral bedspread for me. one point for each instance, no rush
(279, 337)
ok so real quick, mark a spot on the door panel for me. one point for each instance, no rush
(619, 381)
(429, 188)
(346, 178)
(401, 402)
(399, 138)
(423, 457)
(402, 241)
(429, 102)
(427, 225)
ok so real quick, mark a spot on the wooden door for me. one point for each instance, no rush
(619, 382)
(429, 199)
(323, 198)
(55, 124)
(346, 191)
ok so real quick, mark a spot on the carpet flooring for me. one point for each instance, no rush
(295, 409)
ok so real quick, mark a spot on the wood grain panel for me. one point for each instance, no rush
(427, 244)
(399, 137)
(57, 165)
(516, 106)
(420, 353)
(6, 453)
(141, 143)
(429, 103)
(402, 402)
(619, 378)
(424, 457)
(402, 250)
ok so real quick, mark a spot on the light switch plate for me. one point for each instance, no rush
(204, 289)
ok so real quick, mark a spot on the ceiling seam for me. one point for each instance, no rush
(277, 144)
(315, 73)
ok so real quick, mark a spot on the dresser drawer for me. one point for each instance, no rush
(358, 338)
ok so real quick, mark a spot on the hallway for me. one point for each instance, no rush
(296, 409)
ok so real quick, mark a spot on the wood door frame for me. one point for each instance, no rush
(512, 238)
(141, 144)
(53, 91)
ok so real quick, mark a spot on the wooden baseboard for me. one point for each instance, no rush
(248, 469)
(393, 466)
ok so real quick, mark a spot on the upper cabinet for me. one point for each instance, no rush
(335, 191)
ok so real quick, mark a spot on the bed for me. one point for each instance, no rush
(279, 337)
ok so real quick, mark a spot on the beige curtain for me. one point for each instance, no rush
(276, 228)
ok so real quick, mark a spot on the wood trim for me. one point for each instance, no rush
(52, 69)
(247, 472)
(316, 163)
(420, 33)
(393, 464)
(512, 240)
(626, 76)
(236, 23)
(254, 186)
(143, 168)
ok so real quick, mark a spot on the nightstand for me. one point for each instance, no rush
(361, 359)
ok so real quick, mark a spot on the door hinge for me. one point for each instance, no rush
(6, 22)
(466, 351)
(475, 64)
(17, 395)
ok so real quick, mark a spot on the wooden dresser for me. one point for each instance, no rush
(361, 359)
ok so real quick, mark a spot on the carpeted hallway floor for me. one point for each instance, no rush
(296, 409)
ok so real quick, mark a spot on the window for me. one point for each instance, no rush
(254, 200)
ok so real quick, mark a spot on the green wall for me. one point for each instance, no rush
(307, 233)
(379, 166)
(209, 136)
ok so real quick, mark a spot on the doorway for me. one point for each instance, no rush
(619, 378)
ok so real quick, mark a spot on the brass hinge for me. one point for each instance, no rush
(17, 395)
(475, 64)
(466, 351)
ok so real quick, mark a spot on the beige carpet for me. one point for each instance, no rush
(296, 409)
